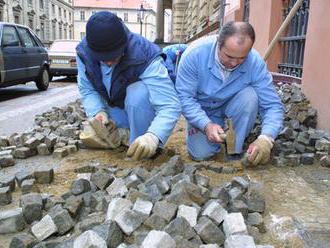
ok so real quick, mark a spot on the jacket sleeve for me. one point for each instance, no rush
(163, 98)
(186, 86)
(270, 106)
(90, 98)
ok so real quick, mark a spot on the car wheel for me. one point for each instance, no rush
(43, 80)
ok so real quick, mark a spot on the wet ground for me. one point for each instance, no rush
(297, 199)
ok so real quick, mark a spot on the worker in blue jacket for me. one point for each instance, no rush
(173, 55)
(123, 78)
(223, 77)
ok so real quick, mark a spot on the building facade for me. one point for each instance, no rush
(128, 11)
(49, 19)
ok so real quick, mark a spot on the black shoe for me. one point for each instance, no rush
(233, 157)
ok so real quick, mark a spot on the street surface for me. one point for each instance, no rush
(19, 104)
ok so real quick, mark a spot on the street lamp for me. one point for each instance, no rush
(141, 15)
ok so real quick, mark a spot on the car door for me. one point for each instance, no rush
(32, 51)
(15, 63)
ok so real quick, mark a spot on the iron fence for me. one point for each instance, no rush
(294, 42)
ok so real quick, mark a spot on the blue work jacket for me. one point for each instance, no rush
(171, 58)
(202, 88)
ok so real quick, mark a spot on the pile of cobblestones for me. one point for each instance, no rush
(57, 133)
(299, 142)
(164, 207)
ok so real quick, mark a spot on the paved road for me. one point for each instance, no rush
(19, 104)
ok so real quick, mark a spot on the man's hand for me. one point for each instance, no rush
(103, 117)
(143, 146)
(213, 132)
(259, 150)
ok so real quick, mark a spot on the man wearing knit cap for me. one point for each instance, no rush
(125, 86)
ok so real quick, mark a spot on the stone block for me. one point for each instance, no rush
(181, 242)
(256, 201)
(98, 201)
(240, 182)
(209, 246)
(89, 221)
(142, 173)
(255, 219)
(51, 140)
(129, 221)
(235, 193)
(110, 232)
(116, 206)
(24, 152)
(61, 219)
(180, 226)
(139, 236)
(132, 181)
(134, 194)
(89, 239)
(240, 241)
(29, 186)
(158, 239)
(322, 145)
(155, 222)
(189, 213)
(71, 148)
(215, 212)
(11, 221)
(80, 186)
(209, 232)
(4, 141)
(293, 160)
(239, 206)
(202, 180)
(307, 158)
(6, 161)
(23, 240)
(172, 167)
(32, 207)
(117, 188)
(8, 180)
(23, 175)
(234, 224)
(32, 143)
(60, 153)
(165, 210)
(52, 201)
(44, 175)
(5, 196)
(152, 191)
(73, 204)
(325, 161)
(102, 179)
(143, 207)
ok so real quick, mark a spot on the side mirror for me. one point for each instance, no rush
(10, 43)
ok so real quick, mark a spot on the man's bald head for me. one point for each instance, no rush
(242, 31)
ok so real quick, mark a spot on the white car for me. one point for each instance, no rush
(62, 55)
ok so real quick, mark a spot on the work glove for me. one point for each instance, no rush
(143, 146)
(259, 150)
(103, 117)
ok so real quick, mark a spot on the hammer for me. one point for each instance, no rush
(230, 139)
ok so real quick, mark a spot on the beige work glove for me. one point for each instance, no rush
(144, 146)
(259, 150)
(103, 117)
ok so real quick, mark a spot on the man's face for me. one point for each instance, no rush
(234, 51)
(112, 62)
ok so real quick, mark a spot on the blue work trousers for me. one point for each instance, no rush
(242, 108)
(138, 113)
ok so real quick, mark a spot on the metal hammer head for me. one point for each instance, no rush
(231, 139)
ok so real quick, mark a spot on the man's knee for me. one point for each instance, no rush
(249, 99)
(137, 94)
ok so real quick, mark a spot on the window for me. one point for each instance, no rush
(41, 4)
(53, 9)
(138, 17)
(64, 13)
(82, 15)
(59, 11)
(42, 30)
(1, 14)
(28, 40)
(60, 31)
(54, 31)
(125, 17)
(9, 35)
(31, 23)
(82, 35)
(70, 16)
(16, 19)
(30, 2)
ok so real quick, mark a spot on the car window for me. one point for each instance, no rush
(10, 35)
(27, 39)
(64, 46)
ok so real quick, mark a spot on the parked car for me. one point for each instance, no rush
(62, 54)
(23, 57)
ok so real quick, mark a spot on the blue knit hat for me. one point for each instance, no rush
(106, 36)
